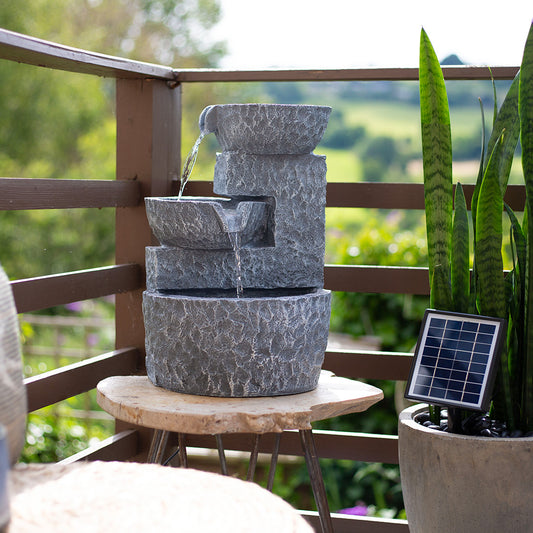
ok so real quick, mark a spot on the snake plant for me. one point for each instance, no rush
(483, 289)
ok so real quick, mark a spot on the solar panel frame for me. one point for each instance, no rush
(455, 360)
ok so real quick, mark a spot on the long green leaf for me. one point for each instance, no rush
(481, 169)
(519, 245)
(488, 243)
(526, 137)
(507, 120)
(437, 156)
(491, 291)
(515, 285)
(495, 98)
(473, 208)
(441, 291)
(460, 267)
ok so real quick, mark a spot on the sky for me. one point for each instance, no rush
(322, 34)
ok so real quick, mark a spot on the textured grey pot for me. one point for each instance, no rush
(462, 484)
(205, 223)
(270, 343)
(266, 128)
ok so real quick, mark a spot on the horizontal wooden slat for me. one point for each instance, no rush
(25, 49)
(401, 195)
(357, 446)
(195, 188)
(357, 364)
(377, 279)
(51, 387)
(58, 289)
(119, 447)
(330, 444)
(359, 74)
(374, 195)
(361, 524)
(28, 193)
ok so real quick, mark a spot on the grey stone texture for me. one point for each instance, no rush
(266, 128)
(205, 223)
(253, 346)
(291, 254)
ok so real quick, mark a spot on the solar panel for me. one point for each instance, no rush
(455, 360)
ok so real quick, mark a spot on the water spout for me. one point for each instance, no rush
(207, 124)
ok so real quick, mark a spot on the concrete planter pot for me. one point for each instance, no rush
(211, 343)
(463, 484)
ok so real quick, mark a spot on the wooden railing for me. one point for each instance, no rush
(148, 99)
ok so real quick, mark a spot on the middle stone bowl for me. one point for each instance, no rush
(211, 343)
(205, 223)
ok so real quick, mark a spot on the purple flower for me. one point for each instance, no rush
(92, 339)
(75, 307)
(359, 510)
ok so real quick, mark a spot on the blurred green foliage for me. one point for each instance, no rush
(55, 433)
(72, 333)
(393, 318)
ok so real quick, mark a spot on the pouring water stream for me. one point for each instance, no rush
(234, 234)
(235, 238)
(189, 164)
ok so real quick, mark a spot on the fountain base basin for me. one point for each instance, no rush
(210, 343)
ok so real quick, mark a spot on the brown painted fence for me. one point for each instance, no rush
(148, 99)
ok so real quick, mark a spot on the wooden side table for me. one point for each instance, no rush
(135, 399)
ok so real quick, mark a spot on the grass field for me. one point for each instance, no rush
(402, 120)
(343, 165)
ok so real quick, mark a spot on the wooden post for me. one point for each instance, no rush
(148, 150)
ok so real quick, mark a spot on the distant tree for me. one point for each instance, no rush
(57, 124)
(339, 135)
(43, 113)
(382, 148)
(285, 93)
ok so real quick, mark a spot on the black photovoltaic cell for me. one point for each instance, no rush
(455, 359)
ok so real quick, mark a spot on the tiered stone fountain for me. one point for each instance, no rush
(205, 337)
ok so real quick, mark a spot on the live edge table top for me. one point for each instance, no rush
(136, 400)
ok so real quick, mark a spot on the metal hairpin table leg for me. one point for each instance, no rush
(253, 458)
(183, 450)
(317, 482)
(273, 462)
(157, 446)
(221, 455)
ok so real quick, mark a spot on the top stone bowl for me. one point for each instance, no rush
(266, 128)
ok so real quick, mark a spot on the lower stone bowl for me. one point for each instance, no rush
(211, 343)
(205, 223)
